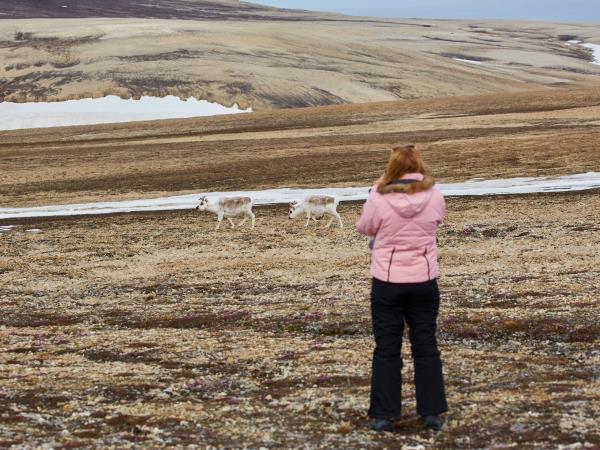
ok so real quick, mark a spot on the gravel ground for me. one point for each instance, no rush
(154, 330)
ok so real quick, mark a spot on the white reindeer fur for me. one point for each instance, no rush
(316, 206)
(228, 207)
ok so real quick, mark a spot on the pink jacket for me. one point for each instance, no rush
(404, 221)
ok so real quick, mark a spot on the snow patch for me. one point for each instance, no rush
(596, 49)
(110, 109)
(34, 230)
(6, 228)
(590, 180)
(469, 61)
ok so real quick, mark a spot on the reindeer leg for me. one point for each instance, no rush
(253, 217)
(330, 222)
(219, 220)
(337, 216)
(307, 219)
(231, 222)
(243, 221)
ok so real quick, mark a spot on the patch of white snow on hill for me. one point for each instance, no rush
(110, 109)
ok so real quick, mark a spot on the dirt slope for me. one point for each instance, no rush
(542, 133)
(271, 58)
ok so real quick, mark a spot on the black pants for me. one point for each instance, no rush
(391, 305)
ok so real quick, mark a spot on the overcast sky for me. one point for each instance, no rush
(555, 10)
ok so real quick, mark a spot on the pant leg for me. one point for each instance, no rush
(388, 327)
(421, 314)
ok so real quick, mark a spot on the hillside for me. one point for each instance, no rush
(271, 58)
(551, 132)
(146, 9)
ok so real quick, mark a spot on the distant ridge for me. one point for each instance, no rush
(242, 53)
(146, 9)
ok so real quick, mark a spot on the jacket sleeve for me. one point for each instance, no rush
(370, 220)
(441, 208)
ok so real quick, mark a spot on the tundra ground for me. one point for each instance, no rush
(155, 330)
(494, 136)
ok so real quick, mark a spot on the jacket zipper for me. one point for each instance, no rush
(428, 268)
(390, 265)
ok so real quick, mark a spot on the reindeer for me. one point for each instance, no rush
(228, 207)
(315, 207)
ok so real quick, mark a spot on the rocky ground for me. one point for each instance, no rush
(154, 330)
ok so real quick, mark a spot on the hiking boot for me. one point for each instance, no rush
(432, 422)
(382, 424)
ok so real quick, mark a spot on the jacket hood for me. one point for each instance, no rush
(409, 199)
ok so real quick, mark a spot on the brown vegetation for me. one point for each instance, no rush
(528, 134)
(155, 330)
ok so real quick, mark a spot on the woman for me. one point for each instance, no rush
(402, 213)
